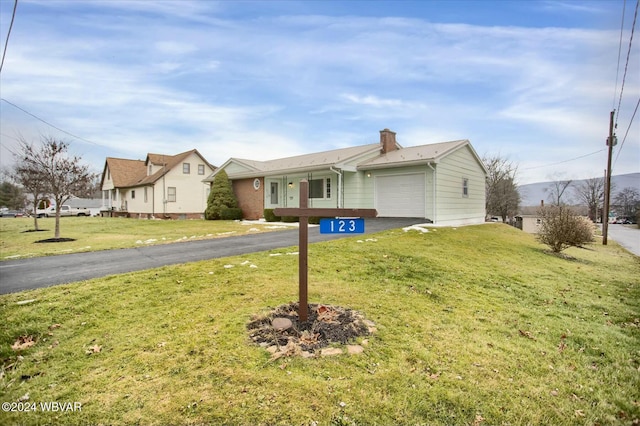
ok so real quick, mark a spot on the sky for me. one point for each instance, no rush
(531, 81)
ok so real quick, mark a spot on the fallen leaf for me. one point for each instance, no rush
(527, 334)
(54, 326)
(93, 349)
(23, 342)
(479, 419)
(579, 413)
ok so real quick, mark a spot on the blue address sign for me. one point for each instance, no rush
(341, 226)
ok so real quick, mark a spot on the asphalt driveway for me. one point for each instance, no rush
(27, 274)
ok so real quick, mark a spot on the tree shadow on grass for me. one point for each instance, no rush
(56, 240)
(35, 230)
(565, 256)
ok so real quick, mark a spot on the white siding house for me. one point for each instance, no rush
(163, 186)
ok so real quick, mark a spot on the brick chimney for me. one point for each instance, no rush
(387, 141)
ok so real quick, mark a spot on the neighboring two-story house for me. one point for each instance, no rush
(161, 186)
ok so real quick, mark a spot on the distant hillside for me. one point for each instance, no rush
(534, 192)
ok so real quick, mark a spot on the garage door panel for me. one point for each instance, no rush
(400, 195)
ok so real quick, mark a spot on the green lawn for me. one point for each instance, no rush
(97, 233)
(477, 325)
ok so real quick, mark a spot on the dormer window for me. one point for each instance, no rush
(150, 170)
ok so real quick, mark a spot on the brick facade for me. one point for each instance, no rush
(250, 200)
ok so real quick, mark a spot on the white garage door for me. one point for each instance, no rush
(400, 195)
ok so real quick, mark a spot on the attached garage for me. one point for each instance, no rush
(402, 195)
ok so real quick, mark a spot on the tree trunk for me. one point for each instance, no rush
(57, 232)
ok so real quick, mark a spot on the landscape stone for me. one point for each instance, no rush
(331, 351)
(354, 349)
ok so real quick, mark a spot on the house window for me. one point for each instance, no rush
(201, 169)
(320, 188)
(186, 168)
(146, 197)
(133, 195)
(150, 170)
(171, 194)
(465, 187)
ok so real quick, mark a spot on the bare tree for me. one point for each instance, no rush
(591, 193)
(556, 190)
(502, 196)
(627, 202)
(33, 181)
(62, 175)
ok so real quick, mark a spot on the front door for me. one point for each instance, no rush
(274, 193)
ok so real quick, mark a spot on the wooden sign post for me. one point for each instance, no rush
(304, 212)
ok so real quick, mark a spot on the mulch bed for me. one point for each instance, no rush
(327, 325)
(56, 240)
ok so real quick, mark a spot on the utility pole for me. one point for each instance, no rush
(611, 142)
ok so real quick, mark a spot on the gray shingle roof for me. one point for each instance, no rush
(412, 155)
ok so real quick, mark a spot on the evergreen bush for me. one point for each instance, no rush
(221, 196)
(231, 213)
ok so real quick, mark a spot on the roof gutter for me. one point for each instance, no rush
(421, 162)
(281, 172)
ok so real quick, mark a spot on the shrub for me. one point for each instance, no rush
(289, 219)
(269, 216)
(231, 213)
(561, 228)
(313, 220)
(221, 196)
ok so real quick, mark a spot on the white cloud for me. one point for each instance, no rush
(180, 75)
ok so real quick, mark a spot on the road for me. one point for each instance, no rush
(28, 274)
(628, 236)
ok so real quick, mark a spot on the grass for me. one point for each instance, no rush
(97, 233)
(477, 325)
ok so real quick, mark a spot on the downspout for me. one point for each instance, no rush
(434, 202)
(164, 189)
(339, 173)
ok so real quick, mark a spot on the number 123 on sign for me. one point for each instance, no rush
(341, 226)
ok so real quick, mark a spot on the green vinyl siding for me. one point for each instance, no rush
(453, 204)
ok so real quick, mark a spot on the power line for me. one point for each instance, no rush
(633, 27)
(627, 132)
(6, 43)
(49, 124)
(615, 89)
(564, 161)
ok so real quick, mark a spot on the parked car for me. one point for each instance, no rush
(64, 211)
(12, 213)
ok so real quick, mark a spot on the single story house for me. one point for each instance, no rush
(161, 186)
(443, 183)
